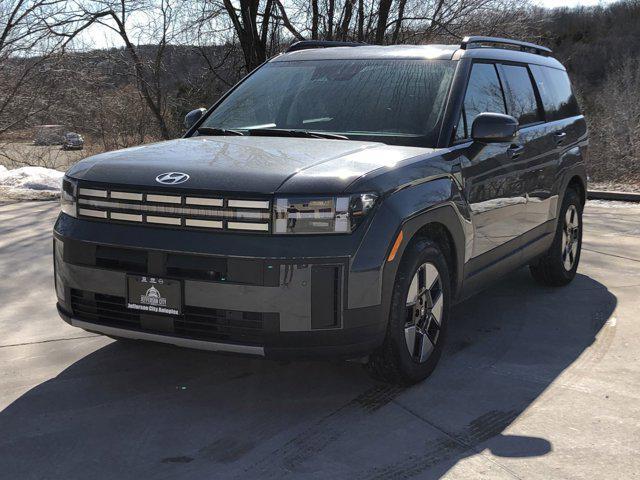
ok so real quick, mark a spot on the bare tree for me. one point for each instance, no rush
(172, 55)
(148, 69)
(33, 35)
(615, 125)
(251, 24)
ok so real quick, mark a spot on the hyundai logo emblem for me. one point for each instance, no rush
(172, 178)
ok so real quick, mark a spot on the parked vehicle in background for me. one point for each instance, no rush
(73, 141)
(48, 135)
(335, 203)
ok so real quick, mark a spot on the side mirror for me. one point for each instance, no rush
(494, 128)
(193, 116)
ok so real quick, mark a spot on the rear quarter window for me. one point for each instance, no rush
(557, 97)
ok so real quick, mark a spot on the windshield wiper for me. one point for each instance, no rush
(279, 132)
(218, 131)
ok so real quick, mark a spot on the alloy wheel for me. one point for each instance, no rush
(570, 237)
(424, 311)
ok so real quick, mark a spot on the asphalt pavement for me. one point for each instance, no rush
(536, 383)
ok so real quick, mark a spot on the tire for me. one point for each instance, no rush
(558, 266)
(393, 361)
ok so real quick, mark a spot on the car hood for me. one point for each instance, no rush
(245, 164)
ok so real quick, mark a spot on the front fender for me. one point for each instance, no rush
(437, 200)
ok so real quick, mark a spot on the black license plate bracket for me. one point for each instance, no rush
(154, 295)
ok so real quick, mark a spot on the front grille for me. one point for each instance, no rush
(223, 325)
(103, 309)
(175, 210)
(196, 323)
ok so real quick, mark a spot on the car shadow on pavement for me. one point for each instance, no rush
(138, 410)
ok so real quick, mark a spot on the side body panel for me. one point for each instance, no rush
(505, 209)
(514, 202)
(495, 192)
(541, 176)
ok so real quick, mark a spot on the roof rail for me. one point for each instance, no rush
(475, 41)
(309, 44)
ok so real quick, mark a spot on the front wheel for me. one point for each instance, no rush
(559, 264)
(418, 316)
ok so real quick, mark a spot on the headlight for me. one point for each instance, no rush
(309, 215)
(68, 196)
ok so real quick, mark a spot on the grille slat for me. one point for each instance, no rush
(108, 319)
(175, 210)
(196, 322)
(115, 313)
(77, 296)
(216, 332)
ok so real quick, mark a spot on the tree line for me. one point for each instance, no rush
(169, 56)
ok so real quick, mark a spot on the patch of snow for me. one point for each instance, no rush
(30, 183)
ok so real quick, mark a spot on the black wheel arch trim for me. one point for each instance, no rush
(446, 215)
(577, 170)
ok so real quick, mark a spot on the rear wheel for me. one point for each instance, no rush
(559, 264)
(418, 316)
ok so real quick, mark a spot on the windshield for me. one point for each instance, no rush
(392, 101)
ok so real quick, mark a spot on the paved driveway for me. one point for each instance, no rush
(536, 383)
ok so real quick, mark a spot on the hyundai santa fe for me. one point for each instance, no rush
(335, 203)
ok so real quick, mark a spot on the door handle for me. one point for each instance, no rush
(560, 136)
(514, 151)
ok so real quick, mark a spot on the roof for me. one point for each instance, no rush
(507, 55)
(443, 52)
(429, 52)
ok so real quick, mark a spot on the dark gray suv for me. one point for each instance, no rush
(334, 203)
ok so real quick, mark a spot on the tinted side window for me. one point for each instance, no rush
(521, 97)
(555, 91)
(484, 94)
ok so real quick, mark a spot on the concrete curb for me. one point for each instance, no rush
(607, 195)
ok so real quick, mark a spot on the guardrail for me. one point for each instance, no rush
(609, 195)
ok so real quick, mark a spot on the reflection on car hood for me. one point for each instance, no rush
(246, 164)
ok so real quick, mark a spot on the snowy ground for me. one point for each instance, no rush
(30, 183)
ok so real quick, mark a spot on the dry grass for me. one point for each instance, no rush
(22, 154)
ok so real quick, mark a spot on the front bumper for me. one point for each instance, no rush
(285, 306)
(155, 337)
